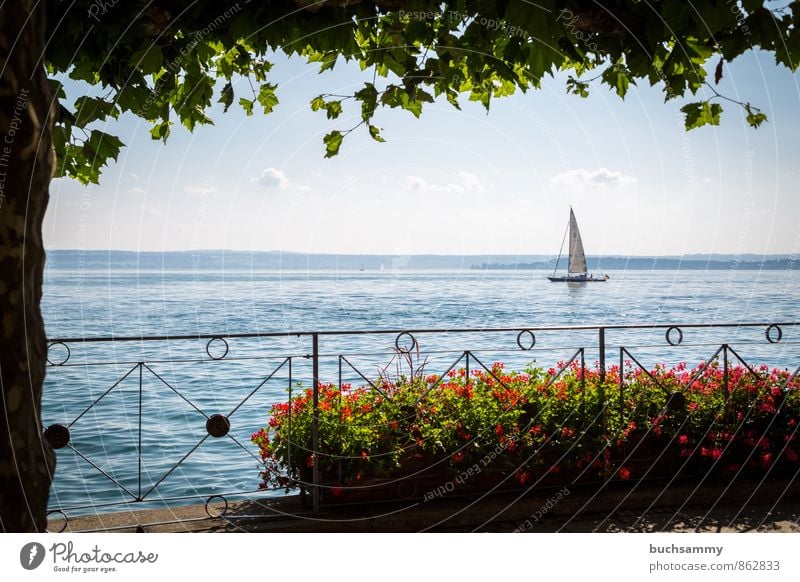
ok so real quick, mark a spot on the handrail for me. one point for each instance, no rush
(616, 326)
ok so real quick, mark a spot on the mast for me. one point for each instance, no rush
(555, 267)
(577, 257)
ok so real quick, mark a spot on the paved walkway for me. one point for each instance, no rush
(773, 507)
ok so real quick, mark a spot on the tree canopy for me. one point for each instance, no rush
(169, 61)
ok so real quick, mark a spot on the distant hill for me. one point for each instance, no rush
(719, 262)
(276, 260)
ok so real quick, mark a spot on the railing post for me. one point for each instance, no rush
(315, 423)
(602, 348)
(725, 370)
(602, 388)
(139, 449)
(621, 387)
(583, 388)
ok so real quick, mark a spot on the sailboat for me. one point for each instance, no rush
(576, 267)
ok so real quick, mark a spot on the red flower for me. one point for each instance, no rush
(498, 429)
(683, 440)
(522, 477)
(624, 473)
(336, 491)
(457, 457)
(364, 455)
(766, 460)
(310, 461)
(791, 455)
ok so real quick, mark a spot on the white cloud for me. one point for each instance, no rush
(274, 179)
(134, 175)
(136, 191)
(471, 182)
(467, 183)
(600, 178)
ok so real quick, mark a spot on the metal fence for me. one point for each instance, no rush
(154, 421)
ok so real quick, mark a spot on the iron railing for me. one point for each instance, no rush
(157, 401)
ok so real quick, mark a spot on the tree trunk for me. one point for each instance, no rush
(26, 166)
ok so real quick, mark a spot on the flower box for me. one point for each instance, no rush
(431, 436)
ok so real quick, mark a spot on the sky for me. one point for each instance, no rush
(455, 182)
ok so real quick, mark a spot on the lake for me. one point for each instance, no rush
(173, 385)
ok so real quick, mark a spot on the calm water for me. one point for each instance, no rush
(179, 385)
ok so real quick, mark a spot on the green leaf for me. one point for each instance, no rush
(328, 61)
(369, 101)
(617, 78)
(700, 114)
(160, 131)
(267, 97)
(226, 98)
(247, 105)
(57, 88)
(140, 100)
(577, 87)
(754, 116)
(317, 103)
(375, 133)
(334, 109)
(148, 60)
(89, 109)
(103, 146)
(333, 141)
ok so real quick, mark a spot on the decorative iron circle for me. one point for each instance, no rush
(530, 336)
(768, 333)
(64, 515)
(62, 362)
(407, 489)
(668, 335)
(216, 339)
(224, 508)
(676, 401)
(403, 349)
(57, 435)
(218, 425)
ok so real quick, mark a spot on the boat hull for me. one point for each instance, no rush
(578, 279)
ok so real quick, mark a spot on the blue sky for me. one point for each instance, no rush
(454, 181)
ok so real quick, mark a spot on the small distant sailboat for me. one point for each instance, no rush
(576, 267)
(361, 268)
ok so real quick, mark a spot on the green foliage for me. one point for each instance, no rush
(535, 422)
(700, 114)
(167, 65)
(754, 116)
(333, 141)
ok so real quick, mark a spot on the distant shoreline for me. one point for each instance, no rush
(58, 259)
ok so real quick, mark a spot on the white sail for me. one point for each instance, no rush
(577, 258)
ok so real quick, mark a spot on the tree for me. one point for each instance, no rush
(168, 61)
